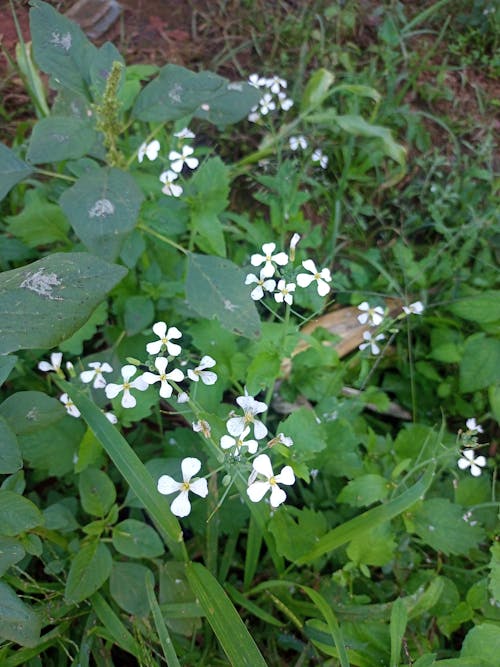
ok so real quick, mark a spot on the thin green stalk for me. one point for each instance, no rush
(161, 237)
(54, 174)
(161, 628)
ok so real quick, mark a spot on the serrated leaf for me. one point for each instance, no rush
(45, 302)
(19, 623)
(215, 288)
(136, 539)
(12, 170)
(97, 492)
(60, 48)
(177, 92)
(39, 223)
(10, 454)
(480, 365)
(56, 138)
(17, 514)
(308, 436)
(297, 531)
(89, 569)
(102, 208)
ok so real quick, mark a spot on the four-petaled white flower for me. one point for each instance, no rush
(202, 426)
(263, 283)
(181, 505)
(322, 277)
(268, 258)
(266, 104)
(319, 156)
(161, 365)
(275, 83)
(284, 101)
(469, 460)
(178, 160)
(226, 442)
(96, 374)
(473, 426)
(128, 400)
(258, 489)
(250, 407)
(150, 150)
(185, 133)
(112, 418)
(284, 292)
(54, 365)
(416, 308)
(71, 408)
(298, 142)
(254, 115)
(183, 397)
(165, 339)
(200, 372)
(256, 80)
(281, 439)
(170, 188)
(373, 315)
(371, 342)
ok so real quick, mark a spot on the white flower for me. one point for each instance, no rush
(254, 115)
(371, 342)
(282, 439)
(256, 80)
(258, 489)
(266, 104)
(161, 365)
(322, 277)
(202, 426)
(293, 244)
(475, 463)
(112, 390)
(374, 316)
(250, 407)
(54, 365)
(150, 150)
(71, 408)
(319, 156)
(473, 426)
(96, 374)
(284, 292)
(275, 83)
(185, 133)
(207, 377)
(178, 160)
(416, 308)
(263, 283)
(167, 485)
(183, 397)
(268, 258)
(285, 102)
(170, 188)
(160, 329)
(298, 142)
(112, 419)
(226, 442)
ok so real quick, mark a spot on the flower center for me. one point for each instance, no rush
(126, 386)
(248, 418)
(272, 481)
(185, 486)
(317, 276)
(163, 377)
(164, 341)
(268, 258)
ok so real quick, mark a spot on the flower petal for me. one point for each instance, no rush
(262, 464)
(257, 491)
(154, 347)
(128, 401)
(226, 442)
(323, 287)
(304, 279)
(259, 429)
(286, 476)
(167, 484)
(208, 377)
(112, 390)
(235, 426)
(128, 371)
(87, 376)
(309, 265)
(161, 363)
(190, 466)
(181, 506)
(200, 487)
(166, 390)
(278, 496)
(207, 362)
(160, 329)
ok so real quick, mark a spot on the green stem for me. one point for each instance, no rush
(54, 174)
(161, 237)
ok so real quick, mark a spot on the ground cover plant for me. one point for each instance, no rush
(250, 338)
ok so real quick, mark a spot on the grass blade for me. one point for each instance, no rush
(399, 619)
(161, 628)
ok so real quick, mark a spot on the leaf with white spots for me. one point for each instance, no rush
(102, 208)
(45, 302)
(215, 289)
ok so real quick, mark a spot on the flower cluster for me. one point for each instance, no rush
(469, 440)
(280, 286)
(373, 316)
(317, 157)
(273, 97)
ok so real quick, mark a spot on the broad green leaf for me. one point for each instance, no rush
(138, 314)
(45, 302)
(297, 531)
(368, 520)
(7, 363)
(208, 192)
(102, 208)
(131, 468)
(59, 517)
(10, 454)
(317, 89)
(17, 514)
(40, 222)
(30, 411)
(100, 67)
(436, 522)
(12, 170)
(494, 578)
(215, 289)
(482, 641)
(57, 138)
(74, 344)
(53, 448)
(481, 308)
(97, 492)
(127, 585)
(60, 48)
(308, 436)
(228, 627)
(177, 92)
(364, 490)
(399, 619)
(19, 623)
(11, 552)
(90, 568)
(358, 126)
(480, 365)
(136, 539)
(374, 547)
